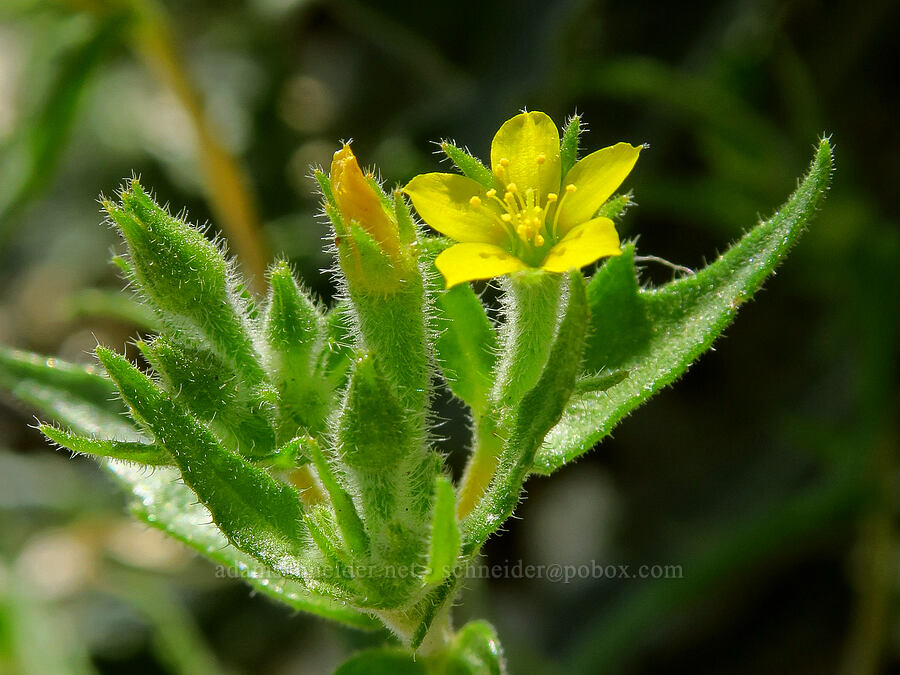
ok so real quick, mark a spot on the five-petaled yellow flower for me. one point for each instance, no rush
(533, 216)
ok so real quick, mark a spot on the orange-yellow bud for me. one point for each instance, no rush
(357, 201)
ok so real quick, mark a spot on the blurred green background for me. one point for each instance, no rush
(769, 473)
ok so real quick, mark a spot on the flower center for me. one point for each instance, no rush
(529, 218)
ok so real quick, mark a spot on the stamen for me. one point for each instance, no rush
(538, 240)
(491, 193)
(504, 162)
(511, 187)
(570, 189)
(505, 217)
(552, 197)
(541, 158)
(475, 201)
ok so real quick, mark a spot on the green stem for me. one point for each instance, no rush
(532, 313)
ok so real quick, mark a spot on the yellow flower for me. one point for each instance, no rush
(532, 216)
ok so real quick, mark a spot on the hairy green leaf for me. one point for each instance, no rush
(259, 515)
(188, 278)
(132, 451)
(215, 392)
(654, 335)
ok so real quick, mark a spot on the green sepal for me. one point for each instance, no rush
(77, 396)
(186, 277)
(215, 392)
(294, 330)
(132, 451)
(337, 352)
(406, 226)
(259, 516)
(324, 181)
(374, 426)
(470, 166)
(656, 334)
(348, 521)
(475, 650)
(466, 345)
(568, 146)
(616, 206)
(539, 410)
(445, 539)
(365, 263)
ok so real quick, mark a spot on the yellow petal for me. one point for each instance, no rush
(595, 178)
(466, 262)
(444, 200)
(583, 245)
(530, 143)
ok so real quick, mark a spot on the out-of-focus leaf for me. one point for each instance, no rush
(385, 661)
(34, 154)
(34, 639)
(103, 304)
(161, 500)
(476, 651)
(654, 335)
(77, 396)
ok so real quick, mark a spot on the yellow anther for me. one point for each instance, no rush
(552, 197)
(505, 217)
(475, 201)
(511, 188)
(538, 240)
(509, 197)
(541, 158)
(491, 193)
(504, 162)
(570, 188)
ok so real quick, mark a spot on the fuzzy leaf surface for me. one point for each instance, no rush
(259, 515)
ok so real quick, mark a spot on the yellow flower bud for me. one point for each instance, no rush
(357, 200)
